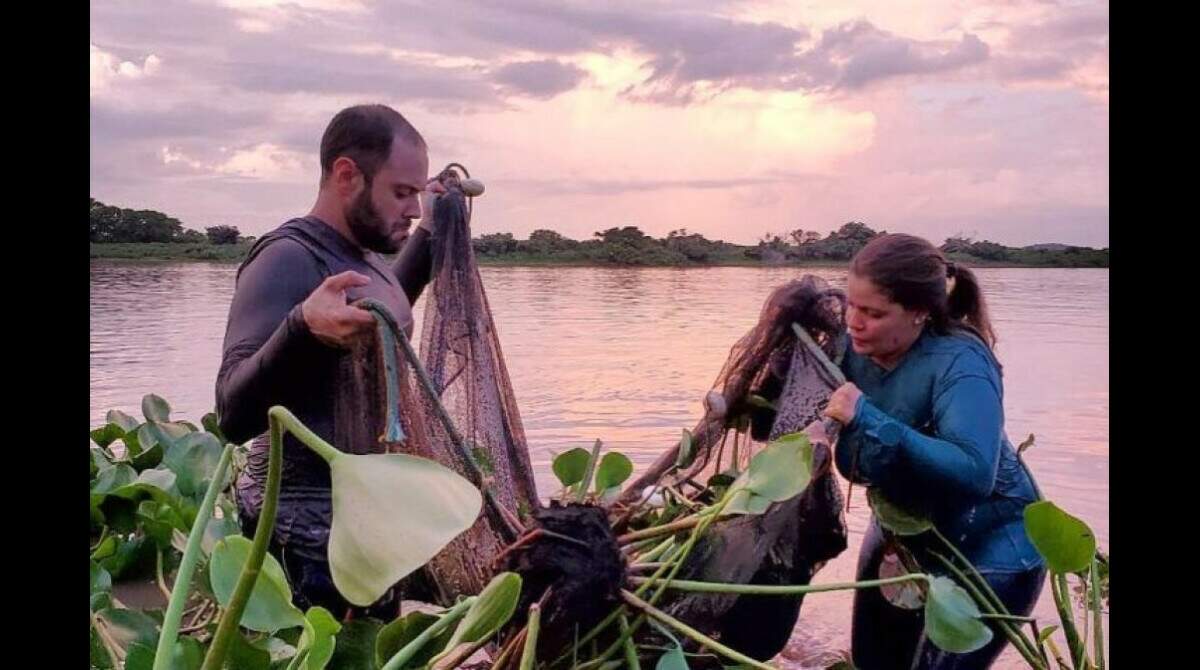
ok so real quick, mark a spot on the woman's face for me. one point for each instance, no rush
(880, 329)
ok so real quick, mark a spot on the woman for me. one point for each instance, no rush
(923, 421)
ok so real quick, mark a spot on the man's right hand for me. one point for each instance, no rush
(329, 318)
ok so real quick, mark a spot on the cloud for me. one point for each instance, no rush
(107, 69)
(539, 79)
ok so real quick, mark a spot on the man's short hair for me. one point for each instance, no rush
(364, 134)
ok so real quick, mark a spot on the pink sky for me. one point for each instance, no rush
(729, 119)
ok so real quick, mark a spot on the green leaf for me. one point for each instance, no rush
(155, 483)
(1045, 634)
(131, 557)
(244, 655)
(318, 638)
(672, 660)
(107, 434)
(155, 408)
(160, 522)
(129, 626)
(98, 656)
(188, 654)
(894, 518)
(571, 466)
(781, 471)
(397, 634)
(355, 645)
(113, 478)
(193, 459)
(270, 606)
(212, 424)
(371, 547)
(107, 548)
(149, 458)
(687, 451)
(614, 469)
(952, 618)
(101, 587)
(125, 422)
(1066, 543)
(493, 608)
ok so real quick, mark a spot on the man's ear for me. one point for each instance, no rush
(346, 179)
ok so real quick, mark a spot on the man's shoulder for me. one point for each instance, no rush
(287, 245)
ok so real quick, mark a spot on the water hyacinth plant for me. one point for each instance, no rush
(160, 506)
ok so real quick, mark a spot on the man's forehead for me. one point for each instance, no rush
(408, 163)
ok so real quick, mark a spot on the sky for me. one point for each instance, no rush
(984, 118)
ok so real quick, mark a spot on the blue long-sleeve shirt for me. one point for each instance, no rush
(930, 434)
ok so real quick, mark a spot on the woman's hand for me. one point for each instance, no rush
(843, 403)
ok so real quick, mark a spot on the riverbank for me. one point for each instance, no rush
(235, 253)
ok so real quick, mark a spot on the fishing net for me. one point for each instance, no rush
(793, 539)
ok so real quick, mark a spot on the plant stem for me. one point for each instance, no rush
(1096, 612)
(177, 599)
(106, 641)
(409, 650)
(529, 653)
(655, 531)
(509, 648)
(581, 489)
(277, 418)
(1016, 636)
(997, 605)
(687, 630)
(158, 574)
(1008, 617)
(766, 589)
(1062, 599)
(631, 655)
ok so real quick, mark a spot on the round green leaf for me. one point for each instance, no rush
(894, 518)
(614, 469)
(1066, 543)
(107, 434)
(391, 514)
(155, 408)
(188, 654)
(129, 626)
(354, 647)
(150, 458)
(270, 606)
(318, 638)
(779, 472)
(672, 660)
(212, 424)
(101, 587)
(571, 466)
(193, 459)
(113, 478)
(126, 422)
(952, 618)
(782, 469)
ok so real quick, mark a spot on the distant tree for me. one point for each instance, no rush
(495, 244)
(222, 234)
(113, 224)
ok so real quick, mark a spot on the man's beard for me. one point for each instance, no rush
(369, 228)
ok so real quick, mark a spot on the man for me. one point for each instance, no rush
(290, 324)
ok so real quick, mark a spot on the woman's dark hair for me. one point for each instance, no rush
(364, 134)
(915, 274)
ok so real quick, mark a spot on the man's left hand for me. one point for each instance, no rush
(432, 190)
